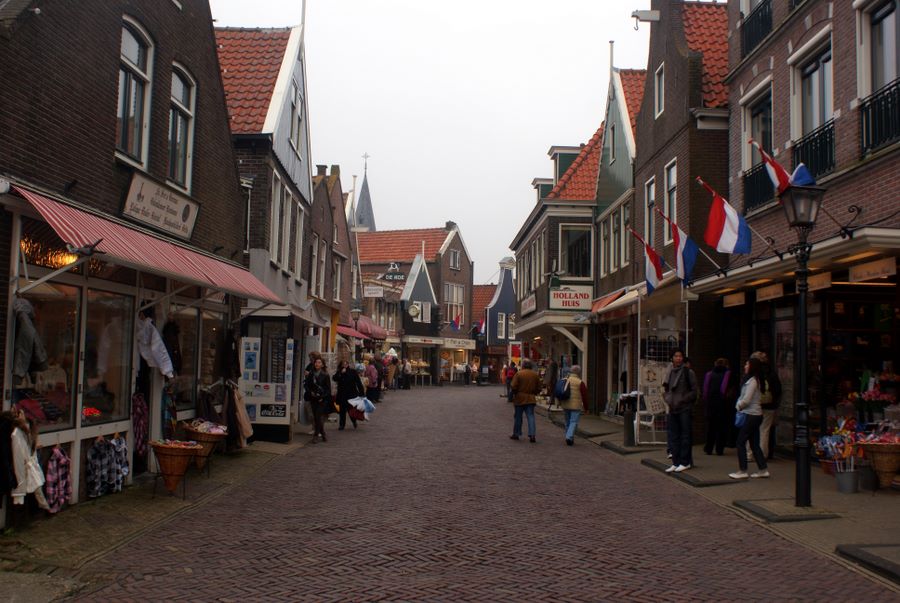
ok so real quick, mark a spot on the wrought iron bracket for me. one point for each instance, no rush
(845, 230)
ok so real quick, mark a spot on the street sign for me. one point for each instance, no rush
(373, 291)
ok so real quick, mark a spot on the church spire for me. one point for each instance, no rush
(365, 215)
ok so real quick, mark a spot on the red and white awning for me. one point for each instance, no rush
(136, 249)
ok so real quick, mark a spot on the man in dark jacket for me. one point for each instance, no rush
(680, 386)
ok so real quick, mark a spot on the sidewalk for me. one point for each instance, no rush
(861, 530)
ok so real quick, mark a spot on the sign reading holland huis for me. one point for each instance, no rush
(571, 297)
(160, 207)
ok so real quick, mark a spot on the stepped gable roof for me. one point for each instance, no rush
(250, 60)
(633, 86)
(706, 31)
(580, 180)
(399, 245)
(481, 297)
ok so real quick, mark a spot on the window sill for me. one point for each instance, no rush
(129, 161)
(178, 187)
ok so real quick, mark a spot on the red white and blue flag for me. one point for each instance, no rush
(685, 253)
(726, 230)
(454, 324)
(779, 176)
(652, 265)
(481, 326)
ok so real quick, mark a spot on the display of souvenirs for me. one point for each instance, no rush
(204, 426)
(107, 466)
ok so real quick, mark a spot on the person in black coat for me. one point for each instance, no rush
(718, 405)
(349, 386)
(317, 391)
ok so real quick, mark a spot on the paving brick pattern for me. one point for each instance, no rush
(432, 501)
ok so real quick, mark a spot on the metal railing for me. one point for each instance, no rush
(758, 188)
(795, 3)
(816, 150)
(879, 118)
(756, 26)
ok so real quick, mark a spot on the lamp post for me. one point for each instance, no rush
(355, 313)
(801, 208)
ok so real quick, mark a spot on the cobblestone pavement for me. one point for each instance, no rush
(432, 501)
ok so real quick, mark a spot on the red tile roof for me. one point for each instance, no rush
(580, 180)
(633, 86)
(706, 31)
(481, 297)
(399, 245)
(250, 61)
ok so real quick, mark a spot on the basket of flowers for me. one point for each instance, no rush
(208, 435)
(173, 457)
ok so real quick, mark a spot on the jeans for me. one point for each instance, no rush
(679, 436)
(750, 433)
(572, 417)
(528, 409)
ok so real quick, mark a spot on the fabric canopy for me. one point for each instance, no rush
(350, 332)
(373, 331)
(142, 251)
(606, 300)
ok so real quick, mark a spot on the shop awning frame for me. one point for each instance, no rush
(607, 299)
(126, 245)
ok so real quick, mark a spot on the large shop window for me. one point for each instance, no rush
(47, 396)
(576, 251)
(108, 348)
(210, 337)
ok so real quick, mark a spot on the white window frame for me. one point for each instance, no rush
(454, 259)
(612, 144)
(314, 265)
(454, 300)
(336, 284)
(247, 189)
(511, 327)
(798, 59)
(334, 238)
(535, 272)
(576, 226)
(659, 90)
(501, 325)
(298, 260)
(626, 248)
(747, 102)
(426, 312)
(649, 213)
(275, 206)
(670, 213)
(542, 260)
(296, 117)
(147, 77)
(615, 241)
(323, 262)
(864, 11)
(190, 114)
(287, 204)
(353, 275)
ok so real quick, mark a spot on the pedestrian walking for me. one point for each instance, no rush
(716, 407)
(467, 377)
(680, 387)
(317, 387)
(510, 375)
(551, 376)
(373, 393)
(769, 402)
(349, 386)
(392, 373)
(407, 373)
(749, 403)
(577, 402)
(525, 385)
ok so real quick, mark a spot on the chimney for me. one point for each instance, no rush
(336, 170)
(449, 225)
(320, 170)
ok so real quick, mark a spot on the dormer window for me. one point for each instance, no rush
(659, 90)
(454, 259)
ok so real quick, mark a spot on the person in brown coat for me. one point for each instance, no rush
(525, 385)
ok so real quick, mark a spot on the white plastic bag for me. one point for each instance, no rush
(358, 403)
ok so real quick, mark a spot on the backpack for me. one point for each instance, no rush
(562, 392)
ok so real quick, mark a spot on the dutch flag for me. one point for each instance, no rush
(653, 266)
(726, 230)
(685, 253)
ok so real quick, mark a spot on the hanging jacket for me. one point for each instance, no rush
(29, 353)
(28, 471)
(100, 470)
(58, 480)
(120, 466)
(139, 423)
(152, 348)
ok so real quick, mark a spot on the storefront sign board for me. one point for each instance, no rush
(373, 291)
(819, 281)
(572, 297)
(771, 292)
(394, 276)
(466, 344)
(423, 340)
(267, 402)
(160, 207)
(735, 299)
(529, 304)
(873, 270)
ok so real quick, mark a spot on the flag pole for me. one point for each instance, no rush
(666, 218)
(770, 242)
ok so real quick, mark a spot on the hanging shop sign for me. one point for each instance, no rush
(160, 207)
(423, 340)
(572, 297)
(373, 291)
(529, 304)
(819, 281)
(394, 276)
(771, 292)
(735, 299)
(873, 270)
(268, 402)
(465, 344)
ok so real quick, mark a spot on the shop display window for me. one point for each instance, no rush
(108, 351)
(48, 396)
(212, 327)
(180, 336)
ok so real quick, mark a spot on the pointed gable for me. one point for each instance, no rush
(365, 214)
(579, 182)
(706, 32)
(251, 60)
(633, 88)
(419, 287)
(399, 245)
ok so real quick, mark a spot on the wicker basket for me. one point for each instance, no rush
(173, 463)
(827, 466)
(885, 460)
(208, 441)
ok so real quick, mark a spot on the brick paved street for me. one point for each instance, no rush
(432, 501)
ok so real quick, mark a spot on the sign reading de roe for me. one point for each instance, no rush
(160, 207)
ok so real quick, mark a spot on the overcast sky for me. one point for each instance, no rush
(456, 102)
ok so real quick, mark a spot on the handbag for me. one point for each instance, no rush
(740, 418)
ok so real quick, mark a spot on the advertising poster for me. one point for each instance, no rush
(267, 402)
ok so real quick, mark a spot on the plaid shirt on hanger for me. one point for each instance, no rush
(57, 480)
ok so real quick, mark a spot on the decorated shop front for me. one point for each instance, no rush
(455, 355)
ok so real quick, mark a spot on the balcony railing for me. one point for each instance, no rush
(795, 3)
(758, 188)
(816, 150)
(879, 118)
(756, 26)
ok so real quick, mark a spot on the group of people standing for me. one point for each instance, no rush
(757, 399)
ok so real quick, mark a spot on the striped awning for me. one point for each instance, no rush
(606, 300)
(351, 332)
(142, 251)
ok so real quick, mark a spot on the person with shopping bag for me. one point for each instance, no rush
(574, 401)
(349, 385)
(317, 391)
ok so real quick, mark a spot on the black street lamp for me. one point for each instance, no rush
(801, 208)
(355, 313)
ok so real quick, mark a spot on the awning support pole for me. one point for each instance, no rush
(164, 297)
(52, 275)
(250, 313)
